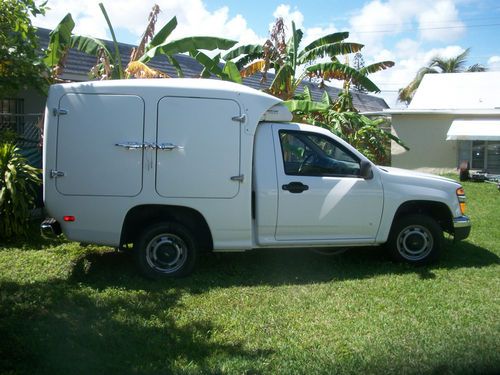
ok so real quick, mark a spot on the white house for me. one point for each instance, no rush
(452, 118)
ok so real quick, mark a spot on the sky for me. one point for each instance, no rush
(408, 32)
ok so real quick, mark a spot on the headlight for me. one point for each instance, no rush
(461, 199)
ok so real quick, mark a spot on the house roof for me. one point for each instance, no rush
(78, 65)
(458, 92)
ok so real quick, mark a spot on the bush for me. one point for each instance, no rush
(18, 183)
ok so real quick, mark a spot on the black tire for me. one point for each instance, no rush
(166, 250)
(415, 239)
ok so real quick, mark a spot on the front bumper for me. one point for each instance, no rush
(50, 228)
(462, 226)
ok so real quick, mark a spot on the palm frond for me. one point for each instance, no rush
(337, 70)
(330, 50)
(376, 67)
(249, 49)
(327, 39)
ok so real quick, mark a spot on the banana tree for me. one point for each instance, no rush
(109, 64)
(286, 58)
(340, 117)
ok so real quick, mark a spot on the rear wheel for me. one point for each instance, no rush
(166, 250)
(416, 239)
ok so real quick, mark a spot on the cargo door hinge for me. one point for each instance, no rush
(59, 111)
(239, 178)
(240, 119)
(54, 173)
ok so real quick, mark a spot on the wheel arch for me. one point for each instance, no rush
(439, 211)
(140, 217)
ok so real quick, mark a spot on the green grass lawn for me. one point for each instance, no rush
(66, 309)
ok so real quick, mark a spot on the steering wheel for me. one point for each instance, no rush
(304, 162)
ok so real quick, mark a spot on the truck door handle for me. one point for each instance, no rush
(295, 187)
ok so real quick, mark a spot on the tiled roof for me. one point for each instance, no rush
(78, 64)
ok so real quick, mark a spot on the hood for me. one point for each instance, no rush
(408, 173)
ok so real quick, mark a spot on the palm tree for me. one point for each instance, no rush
(438, 64)
(285, 58)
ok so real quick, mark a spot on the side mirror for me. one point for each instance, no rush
(365, 170)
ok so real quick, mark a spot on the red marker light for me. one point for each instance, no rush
(69, 218)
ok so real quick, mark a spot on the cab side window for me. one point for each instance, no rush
(311, 154)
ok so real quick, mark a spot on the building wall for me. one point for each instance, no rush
(425, 135)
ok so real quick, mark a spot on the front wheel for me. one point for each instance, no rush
(415, 239)
(166, 250)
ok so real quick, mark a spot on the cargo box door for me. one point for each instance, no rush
(89, 129)
(198, 148)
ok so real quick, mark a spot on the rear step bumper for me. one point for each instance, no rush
(50, 228)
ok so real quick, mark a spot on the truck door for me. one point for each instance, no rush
(320, 193)
(88, 160)
(198, 148)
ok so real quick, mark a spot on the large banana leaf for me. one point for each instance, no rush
(232, 73)
(305, 95)
(160, 37)
(305, 106)
(327, 39)
(249, 49)
(211, 66)
(89, 45)
(186, 45)
(282, 81)
(293, 46)
(325, 99)
(245, 60)
(331, 50)
(337, 70)
(118, 71)
(175, 64)
(60, 41)
(376, 67)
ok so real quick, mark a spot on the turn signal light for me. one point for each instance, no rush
(461, 199)
(69, 218)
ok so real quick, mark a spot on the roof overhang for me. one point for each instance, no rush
(474, 130)
(454, 112)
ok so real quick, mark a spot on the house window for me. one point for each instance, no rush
(482, 155)
(478, 154)
(493, 156)
(11, 115)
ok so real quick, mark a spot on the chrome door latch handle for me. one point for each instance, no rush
(169, 147)
(131, 145)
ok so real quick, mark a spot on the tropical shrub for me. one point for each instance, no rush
(18, 182)
(366, 134)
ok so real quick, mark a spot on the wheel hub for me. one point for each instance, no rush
(166, 253)
(415, 242)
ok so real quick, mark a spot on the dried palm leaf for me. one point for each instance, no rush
(254, 67)
(137, 69)
(148, 34)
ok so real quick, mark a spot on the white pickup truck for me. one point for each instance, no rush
(180, 166)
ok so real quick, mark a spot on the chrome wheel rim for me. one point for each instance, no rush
(166, 253)
(415, 242)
